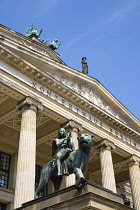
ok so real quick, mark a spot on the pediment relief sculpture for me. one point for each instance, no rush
(89, 94)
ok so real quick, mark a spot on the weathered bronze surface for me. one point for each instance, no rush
(33, 31)
(76, 160)
(53, 45)
(84, 66)
(62, 146)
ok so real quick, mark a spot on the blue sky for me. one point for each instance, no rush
(107, 32)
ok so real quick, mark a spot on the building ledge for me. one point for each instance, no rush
(6, 195)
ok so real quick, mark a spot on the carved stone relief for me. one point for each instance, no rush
(15, 122)
(88, 94)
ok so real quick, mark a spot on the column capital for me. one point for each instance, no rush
(133, 160)
(105, 144)
(71, 124)
(29, 103)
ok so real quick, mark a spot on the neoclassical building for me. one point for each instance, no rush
(39, 94)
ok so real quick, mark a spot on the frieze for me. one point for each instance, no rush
(83, 113)
(88, 94)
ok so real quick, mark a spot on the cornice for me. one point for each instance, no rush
(42, 77)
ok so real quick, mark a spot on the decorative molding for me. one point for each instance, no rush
(118, 168)
(133, 160)
(105, 144)
(3, 98)
(8, 116)
(88, 94)
(94, 154)
(15, 123)
(71, 124)
(29, 103)
(48, 139)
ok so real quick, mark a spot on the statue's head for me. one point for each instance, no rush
(55, 40)
(85, 140)
(61, 133)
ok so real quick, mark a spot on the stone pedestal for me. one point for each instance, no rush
(74, 128)
(25, 179)
(108, 177)
(134, 172)
(92, 196)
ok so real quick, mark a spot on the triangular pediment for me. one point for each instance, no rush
(77, 84)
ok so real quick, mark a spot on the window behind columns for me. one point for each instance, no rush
(37, 178)
(2, 206)
(4, 169)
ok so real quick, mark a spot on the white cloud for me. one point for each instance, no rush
(114, 18)
(46, 7)
(122, 13)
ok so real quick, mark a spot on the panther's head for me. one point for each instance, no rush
(85, 140)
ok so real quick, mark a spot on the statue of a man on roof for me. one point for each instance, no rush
(84, 66)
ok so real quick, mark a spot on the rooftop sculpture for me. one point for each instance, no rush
(30, 32)
(33, 32)
(84, 66)
(54, 44)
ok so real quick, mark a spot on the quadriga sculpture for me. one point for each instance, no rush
(76, 161)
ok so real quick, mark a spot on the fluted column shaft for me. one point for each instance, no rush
(74, 128)
(25, 179)
(134, 172)
(108, 177)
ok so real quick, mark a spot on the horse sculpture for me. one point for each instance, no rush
(76, 161)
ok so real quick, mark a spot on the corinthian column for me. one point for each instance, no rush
(74, 128)
(25, 179)
(108, 178)
(134, 172)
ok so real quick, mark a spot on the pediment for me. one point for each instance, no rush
(84, 86)
(99, 96)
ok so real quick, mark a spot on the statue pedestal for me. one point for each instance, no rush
(92, 196)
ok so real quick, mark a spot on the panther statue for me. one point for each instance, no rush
(76, 161)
